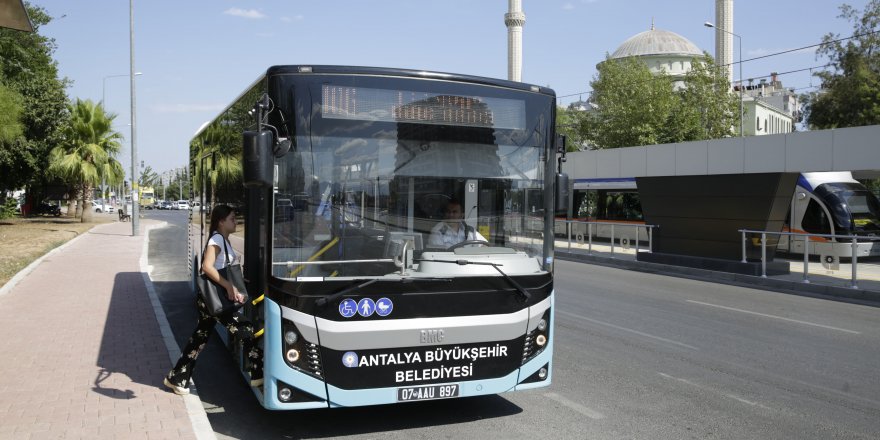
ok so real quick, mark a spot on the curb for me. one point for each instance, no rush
(30, 267)
(834, 293)
(194, 408)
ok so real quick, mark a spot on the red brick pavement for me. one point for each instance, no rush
(81, 353)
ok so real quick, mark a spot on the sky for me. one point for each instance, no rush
(197, 56)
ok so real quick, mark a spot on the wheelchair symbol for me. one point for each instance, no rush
(347, 308)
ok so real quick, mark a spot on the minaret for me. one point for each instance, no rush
(514, 19)
(724, 40)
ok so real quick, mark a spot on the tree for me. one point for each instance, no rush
(29, 73)
(88, 153)
(706, 108)
(217, 157)
(569, 122)
(148, 177)
(850, 95)
(10, 115)
(638, 107)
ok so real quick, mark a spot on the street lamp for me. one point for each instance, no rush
(135, 221)
(104, 106)
(104, 91)
(741, 83)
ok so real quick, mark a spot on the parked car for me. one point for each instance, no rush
(163, 204)
(47, 209)
(183, 205)
(98, 207)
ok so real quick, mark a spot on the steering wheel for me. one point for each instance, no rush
(467, 243)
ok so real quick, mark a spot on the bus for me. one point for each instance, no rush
(147, 196)
(340, 174)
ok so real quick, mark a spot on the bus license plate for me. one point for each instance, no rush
(427, 392)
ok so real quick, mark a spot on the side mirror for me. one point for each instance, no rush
(562, 194)
(257, 152)
(281, 147)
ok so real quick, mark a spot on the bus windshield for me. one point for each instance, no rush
(379, 165)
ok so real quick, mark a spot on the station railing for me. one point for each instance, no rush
(618, 225)
(853, 239)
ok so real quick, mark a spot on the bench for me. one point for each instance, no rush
(123, 216)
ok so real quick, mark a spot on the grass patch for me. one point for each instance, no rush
(23, 240)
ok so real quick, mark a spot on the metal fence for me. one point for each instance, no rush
(853, 239)
(586, 230)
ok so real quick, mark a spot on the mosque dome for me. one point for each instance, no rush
(657, 42)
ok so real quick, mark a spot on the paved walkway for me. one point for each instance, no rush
(83, 346)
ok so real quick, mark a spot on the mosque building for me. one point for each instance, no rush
(768, 108)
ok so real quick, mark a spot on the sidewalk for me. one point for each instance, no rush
(83, 352)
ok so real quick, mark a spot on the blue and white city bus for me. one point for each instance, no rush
(340, 185)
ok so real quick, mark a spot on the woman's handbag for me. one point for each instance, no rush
(213, 294)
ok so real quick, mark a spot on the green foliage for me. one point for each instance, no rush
(570, 123)
(850, 95)
(148, 177)
(706, 109)
(10, 115)
(88, 152)
(638, 107)
(9, 208)
(28, 70)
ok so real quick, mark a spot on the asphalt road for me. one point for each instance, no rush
(638, 355)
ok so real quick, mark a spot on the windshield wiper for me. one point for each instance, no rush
(520, 289)
(333, 297)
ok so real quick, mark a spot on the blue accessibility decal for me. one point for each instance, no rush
(366, 307)
(350, 359)
(347, 308)
(384, 306)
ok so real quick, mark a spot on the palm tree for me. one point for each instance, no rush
(148, 177)
(88, 152)
(221, 143)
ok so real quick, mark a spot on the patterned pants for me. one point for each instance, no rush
(237, 325)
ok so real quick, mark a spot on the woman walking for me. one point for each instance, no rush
(216, 258)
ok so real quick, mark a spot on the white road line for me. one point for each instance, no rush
(668, 341)
(576, 407)
(775, 317)
(729, 396)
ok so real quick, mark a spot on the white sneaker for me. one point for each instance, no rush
(177, 389)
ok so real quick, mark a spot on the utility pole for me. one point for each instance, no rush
(135, 223)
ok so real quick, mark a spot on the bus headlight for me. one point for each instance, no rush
(291, 337)
(292, 355)
(284, 394)
(537, 339)
(299, 353)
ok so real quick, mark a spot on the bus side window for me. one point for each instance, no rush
(815, 220)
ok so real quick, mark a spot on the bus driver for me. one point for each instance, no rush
(453, 229)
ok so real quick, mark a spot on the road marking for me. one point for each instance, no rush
(729, 396)
(775, 317)
(576, 407)
(668, 341)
